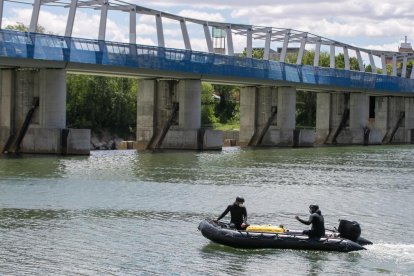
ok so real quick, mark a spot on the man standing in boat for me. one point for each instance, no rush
(238, 214)
(318, 223)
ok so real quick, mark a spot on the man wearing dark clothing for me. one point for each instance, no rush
(318, 223)
(238, 214)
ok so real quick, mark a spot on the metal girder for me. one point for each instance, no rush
(133, 26)
(1, 11)
(332, 56)
(284, 47)
(71, 17)
(372, 63)
(35, 16)
(186, 37)
(266, 51)
(160, 31)
(251, 32)
(103, 19)
(230, 48)
(360, 62)
(384, 65)
(301, 51)
(249, 46)
(394, 65)
(346, 59)
(317, 53)
(404, 67)
(208, 38)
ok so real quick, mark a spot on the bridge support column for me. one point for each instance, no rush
(248, 99)
(332, 118)
(267, 116)
(358, 116)
(169, 116)
(323, 117)
(409, 120)
(286, 114)
(6, 104)
(47, 131)
(396, 121)
(378, 119)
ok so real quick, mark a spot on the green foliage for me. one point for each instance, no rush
(101, 102)
(23, 28)
(208, 116)
(306, 109)
(226, 109)
(256, 53)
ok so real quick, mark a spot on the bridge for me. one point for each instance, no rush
(354, 106)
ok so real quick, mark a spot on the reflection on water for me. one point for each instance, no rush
(129, 213)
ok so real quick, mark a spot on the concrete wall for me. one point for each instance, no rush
(52, 95)
(256, 109)
(379, 125)
(358, 116)
(189, 95)
(155, 101)
(323, 115)
(286, 114)
(146, 118)
(18, 88)
(248, 98)
(409, 120)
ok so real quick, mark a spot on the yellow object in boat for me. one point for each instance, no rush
(266, 228)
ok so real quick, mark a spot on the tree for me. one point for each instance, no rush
(23, 28)
(208, 104)
(98, 102)
(226, 108)
(306, 109)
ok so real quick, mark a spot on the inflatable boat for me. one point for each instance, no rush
(279, 237)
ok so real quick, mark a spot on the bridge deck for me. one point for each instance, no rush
(77, 52)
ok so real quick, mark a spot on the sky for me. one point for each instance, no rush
(371, 24)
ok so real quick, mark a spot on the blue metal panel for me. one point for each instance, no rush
(17, 45)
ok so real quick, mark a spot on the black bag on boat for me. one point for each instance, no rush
(349, 229)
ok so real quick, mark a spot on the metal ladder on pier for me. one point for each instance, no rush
(258, 136)
(14, 141)
(390, 135)
(158, 138)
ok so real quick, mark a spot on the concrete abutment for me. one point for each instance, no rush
(169, 116)
(371, 119)
(258, 127)
(47, 132)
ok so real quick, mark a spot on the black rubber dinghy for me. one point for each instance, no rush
(221, 233)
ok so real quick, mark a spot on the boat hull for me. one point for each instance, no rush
(243, 239)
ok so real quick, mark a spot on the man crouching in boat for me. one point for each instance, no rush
(318, 223)
(238, 214)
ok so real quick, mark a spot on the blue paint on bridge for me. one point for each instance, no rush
(35, 46)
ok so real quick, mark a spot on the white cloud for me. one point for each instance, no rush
(202, 15)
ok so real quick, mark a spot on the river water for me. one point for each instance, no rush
(129, 213)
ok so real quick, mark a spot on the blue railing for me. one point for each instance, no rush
(15, 44)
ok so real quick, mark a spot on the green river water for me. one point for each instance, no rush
(129, 213)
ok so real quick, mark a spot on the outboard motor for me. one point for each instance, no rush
(349, 229)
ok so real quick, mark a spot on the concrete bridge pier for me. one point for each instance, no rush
(360, 118)
(341, 118)
(169, 116)
(392, 120)
(46, 132)
(409, 121)
(267, 116)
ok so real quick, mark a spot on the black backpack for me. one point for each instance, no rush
(349, 229)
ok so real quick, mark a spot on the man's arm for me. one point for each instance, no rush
(224, 213)
(244, 215)
(307, 222)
